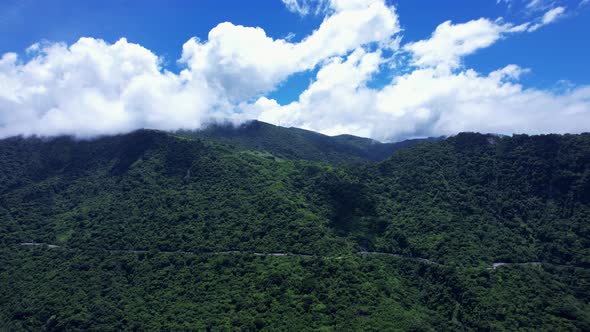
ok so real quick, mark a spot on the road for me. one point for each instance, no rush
(226, 252)
(421, 260)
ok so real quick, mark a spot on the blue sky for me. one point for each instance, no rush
(558, 52)
(551, 60)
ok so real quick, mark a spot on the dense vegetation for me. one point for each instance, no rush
(300, 144)
(475, 198)
(143, 221)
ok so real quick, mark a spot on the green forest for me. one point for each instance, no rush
(270, 228)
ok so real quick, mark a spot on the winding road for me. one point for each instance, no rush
(226, 252)
(494, 266)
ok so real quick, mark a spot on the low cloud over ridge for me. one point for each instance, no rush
(93, 88)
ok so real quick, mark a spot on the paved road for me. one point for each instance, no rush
(494, 266)
(226, 252)
(418, 259)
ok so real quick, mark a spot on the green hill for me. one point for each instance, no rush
(300, 144)
(269, 228)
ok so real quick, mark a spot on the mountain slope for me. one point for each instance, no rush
(151, 189)
(173, 232)
(474, 198)
(299, 144)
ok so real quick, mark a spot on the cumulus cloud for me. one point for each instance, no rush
(243, 61)
(426, 102)
(436, 98)
(335, 103)
(93, 88)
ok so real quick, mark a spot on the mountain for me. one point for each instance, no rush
(295, 143)
(227, 229)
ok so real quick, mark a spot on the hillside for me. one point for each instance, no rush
(300, 144)
(224, 230)
(474, 198)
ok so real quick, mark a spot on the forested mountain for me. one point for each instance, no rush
(300, 144)
(267, 228)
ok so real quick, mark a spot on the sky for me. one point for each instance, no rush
(385, 69)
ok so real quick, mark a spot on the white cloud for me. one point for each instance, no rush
(426, 102)
(549, 17)
(534, 4)
(299, 7)
(316, 7)
(434, 99)
(244, 62)
(91, 87)
(552, 15)
(335, 103)
(539, 5)
(450, 42)
(305, 7)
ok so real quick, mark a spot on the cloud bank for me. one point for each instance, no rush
(94, 88)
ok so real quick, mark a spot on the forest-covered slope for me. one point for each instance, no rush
(144, 223)
(300, 144)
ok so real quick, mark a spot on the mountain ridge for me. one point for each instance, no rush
(297, 143)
